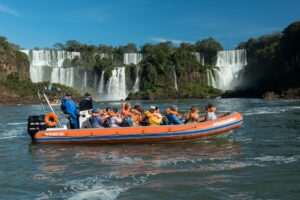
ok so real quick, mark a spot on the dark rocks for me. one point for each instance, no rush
(271, 95)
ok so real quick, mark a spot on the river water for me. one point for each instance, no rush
(260, 160)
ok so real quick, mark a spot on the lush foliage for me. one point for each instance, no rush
(24, 88)
(12, 61)
(273, 62)
(210, 48)
(158, 67)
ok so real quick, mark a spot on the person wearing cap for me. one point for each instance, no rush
(86, 103)
(152, 118)
(63, 102)
(69, 107)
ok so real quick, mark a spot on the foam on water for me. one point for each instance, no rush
(108, 158)
(278, 159)
(8, 137)
(269, 110)
(12, 133)
(16, 123)
(99, 192)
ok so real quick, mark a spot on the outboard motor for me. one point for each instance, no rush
(36, 123)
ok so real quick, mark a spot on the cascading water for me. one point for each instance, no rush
(132, 58)
(175, 78)
(211, 78)
(229, 65)
(85, 80)
(101, 83)
(104, 55)
(116, 86)
(199, 56)
(47, 65)
(136, 85)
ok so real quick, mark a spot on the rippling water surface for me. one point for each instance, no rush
(260, 160)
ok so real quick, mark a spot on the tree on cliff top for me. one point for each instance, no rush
(209, 47)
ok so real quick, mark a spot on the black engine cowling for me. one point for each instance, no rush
(36, 123)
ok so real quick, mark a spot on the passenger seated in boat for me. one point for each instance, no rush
(126, 115)
(173, 116)
(193, 115)
(96, 120)
(164, 120)
(137, 115)
(152, 118)
(126, 110)
(115, 118)
(210, 112)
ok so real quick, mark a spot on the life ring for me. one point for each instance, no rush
(51, 119)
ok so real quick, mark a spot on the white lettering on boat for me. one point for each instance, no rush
(226, 121)
(55, 134)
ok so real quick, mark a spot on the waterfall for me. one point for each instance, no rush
(104, 55)
(132, 58)
(47, 65)
(95, 81)
(85, 80)
(136, 85)
(175, 79)
(101, 83)
(200, 57)
(116, 86)
(229, 64)
(211, 78)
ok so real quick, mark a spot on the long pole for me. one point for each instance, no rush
(51, 107)
(41, 102)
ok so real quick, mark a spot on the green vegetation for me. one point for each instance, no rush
(273, 64)
(157, 67)
(25, 89)
(12, 61)
(159, 63)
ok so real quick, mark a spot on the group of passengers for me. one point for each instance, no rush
(134, 116)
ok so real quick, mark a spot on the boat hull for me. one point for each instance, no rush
(141, 134)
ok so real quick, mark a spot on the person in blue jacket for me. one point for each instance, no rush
(69, 107)
(173, 116)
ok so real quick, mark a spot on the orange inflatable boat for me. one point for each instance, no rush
(140, 134)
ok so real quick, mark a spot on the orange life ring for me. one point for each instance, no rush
(51, 119)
